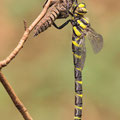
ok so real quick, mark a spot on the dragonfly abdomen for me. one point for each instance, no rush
(78, 94)
(76, 49)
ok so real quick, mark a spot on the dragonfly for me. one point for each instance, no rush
(81, 29)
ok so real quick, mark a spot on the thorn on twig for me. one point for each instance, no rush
(25, 24)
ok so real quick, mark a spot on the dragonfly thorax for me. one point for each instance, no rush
(79, 26)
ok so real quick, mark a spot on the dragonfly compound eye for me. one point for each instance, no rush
(81, 9)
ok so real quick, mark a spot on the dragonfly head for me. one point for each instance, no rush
(80, 9)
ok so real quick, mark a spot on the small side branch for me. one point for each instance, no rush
(14, 98)
(13, 54)
(25, 24)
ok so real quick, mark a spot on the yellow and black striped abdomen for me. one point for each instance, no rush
(77, 57)
(79, 54)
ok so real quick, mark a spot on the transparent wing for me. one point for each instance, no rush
(95, 39)
(83, 52)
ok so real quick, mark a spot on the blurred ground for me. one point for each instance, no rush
(42, 74)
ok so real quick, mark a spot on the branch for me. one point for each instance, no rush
(25, 24)
(19, 105)
(14, 98)
(12, 55)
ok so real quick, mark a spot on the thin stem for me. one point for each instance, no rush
(19, 105)
(14, 98)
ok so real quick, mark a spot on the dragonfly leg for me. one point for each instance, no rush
(62, 26)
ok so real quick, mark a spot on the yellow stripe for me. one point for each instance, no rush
(77, 32)
(81, 5)
(80, 95)
(77, 38)
(72, 18)
(76, 44)
(79, 69)
(81, 24)
(78, 107)
(86, 20)
(80, 82)
(79, 13)
(77, 56)
(75, 14)
(84, 10)
(77, 118)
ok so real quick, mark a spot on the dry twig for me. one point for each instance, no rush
(19, 105)
(24, 37)
(14, 98)
(21, 108)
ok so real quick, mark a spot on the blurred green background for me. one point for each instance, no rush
(42, 74)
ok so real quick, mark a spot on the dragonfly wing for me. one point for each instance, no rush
(83, 52)
(95, 39)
